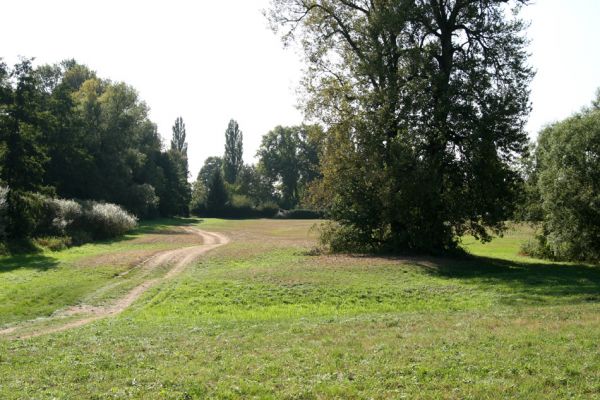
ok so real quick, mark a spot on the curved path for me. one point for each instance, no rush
(177, 259)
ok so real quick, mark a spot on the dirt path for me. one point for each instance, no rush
(177, 259)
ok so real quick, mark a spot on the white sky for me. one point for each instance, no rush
(210, 61)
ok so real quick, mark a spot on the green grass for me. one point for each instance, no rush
(263, 318)
(37, 284)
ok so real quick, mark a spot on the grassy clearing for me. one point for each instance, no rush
(262, 318)
(36, 285)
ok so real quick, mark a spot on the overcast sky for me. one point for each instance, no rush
(210, 61)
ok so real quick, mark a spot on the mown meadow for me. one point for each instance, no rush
(267, 317)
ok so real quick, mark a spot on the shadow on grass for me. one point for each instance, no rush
(24, 254)
(530, 282)
(527, 280)
(27, 261)
(155, 227)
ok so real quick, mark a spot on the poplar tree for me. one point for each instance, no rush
(232, 159)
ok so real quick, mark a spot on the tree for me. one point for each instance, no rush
(232, 159)
(425, 103)
(254, 184)
(181, 187)
(178, 142)
(217, 197)
(21, 121)
(211, 164)
(567, 182)
(24, 157)
(289, 158)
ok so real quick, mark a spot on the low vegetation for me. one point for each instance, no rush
(264, 317)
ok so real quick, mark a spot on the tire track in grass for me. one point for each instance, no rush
(178, 260)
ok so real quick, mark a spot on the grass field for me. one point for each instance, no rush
(263, 317)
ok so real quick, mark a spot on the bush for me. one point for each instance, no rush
(59, 215)
(25, 210)
(237, 212)
(343, 238)
(268, 210)
(300, 214)
(53, 243)
(104, 220)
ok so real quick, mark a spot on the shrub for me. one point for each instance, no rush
(24, 210)
(268, 209)
(239, 212)
(104, 220)
(53, 243)
(343, 238)
(83, 221)
(300, 214)
(58, 216)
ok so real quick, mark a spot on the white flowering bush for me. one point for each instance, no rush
(105, 220)
(62, 214)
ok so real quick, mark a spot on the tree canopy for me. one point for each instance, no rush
(66, 132)
(426, 103)
(566, 180)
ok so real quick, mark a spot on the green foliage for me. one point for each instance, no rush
(233, 157)
(425, 104)
(178, 142)
(21, 122)
(64, 130)
(289, 159)
(143, 201)
(253, 183)
(198, 200)
(217, 197)
(211, 164)
(53, 243)
(567, 179)
(299, 213)
(25, 210)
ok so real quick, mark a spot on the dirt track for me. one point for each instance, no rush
(177, 260)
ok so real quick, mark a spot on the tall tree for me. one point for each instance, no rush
(181, 187)
(24, 157)
(21, 122)
(426, 103)
(232, 159)
(178, 141)
(211, 164)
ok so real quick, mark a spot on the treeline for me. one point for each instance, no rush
(288, 164)
(67, 133)
(80, 158)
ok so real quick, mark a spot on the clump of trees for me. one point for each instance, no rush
(288, 162)
(425, 104)
(563, 188)
(67, 133)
